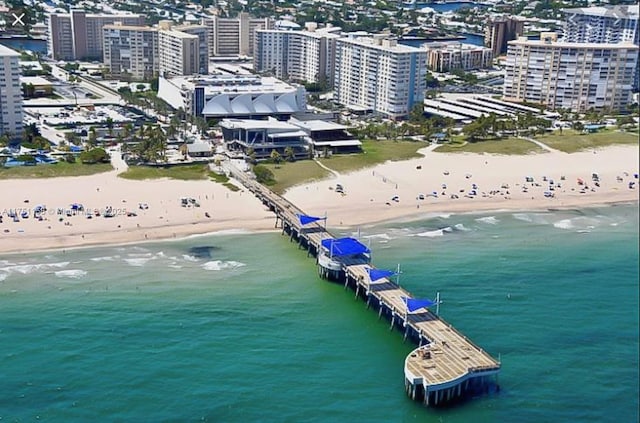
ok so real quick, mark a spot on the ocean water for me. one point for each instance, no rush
(237, 327)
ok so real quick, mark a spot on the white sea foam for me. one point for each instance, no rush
(448, 229)
(71, 273)
(3, 276)
(523, 216)
(461, 227)
(431, 234)
(378, 236)
(491, 220)
(175, 266)
(222, 265)
(564, 224)
(187, 257)
(444, 216)
(105, 258)
(137, 262)
(26, 269)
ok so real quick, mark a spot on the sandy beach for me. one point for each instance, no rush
(445, 180)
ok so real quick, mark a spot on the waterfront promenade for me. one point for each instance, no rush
(446, 366)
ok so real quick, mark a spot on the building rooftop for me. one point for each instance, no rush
(319, 125)
(604, 46)
(35, 80)
(179, 34)
(231, 83)
(129, 27)
(380, 43)
(6, 51)
(618, 11)
(249, 124)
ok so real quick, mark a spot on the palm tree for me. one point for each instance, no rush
(289, 154)
(275, 156)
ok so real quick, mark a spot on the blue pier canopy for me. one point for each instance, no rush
(344, 246)
(414, 304)
(305, 220)
(375, 274)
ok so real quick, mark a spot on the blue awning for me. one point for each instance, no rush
(414, 304)
(344, 246)
(305, 220)
(375, 274)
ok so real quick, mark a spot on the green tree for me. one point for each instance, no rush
(289, 154)
(275, 156)
(96, 155)
(93, 138)
(263, 175)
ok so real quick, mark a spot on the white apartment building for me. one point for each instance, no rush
(602, 24)
(179, 52)
(576, 76)
(10, 93)
(78, 35)
(131, 50)
(445, 57)
(380, 75)
(233, 36)
(306, 56)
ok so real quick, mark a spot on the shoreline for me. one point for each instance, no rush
(185, 235)
(155, 210)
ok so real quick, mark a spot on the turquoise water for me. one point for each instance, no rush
(245, 331)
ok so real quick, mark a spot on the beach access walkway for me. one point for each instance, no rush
(446, 366)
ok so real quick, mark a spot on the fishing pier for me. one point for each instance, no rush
(446, 366)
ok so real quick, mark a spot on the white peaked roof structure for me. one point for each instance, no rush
(224, 96)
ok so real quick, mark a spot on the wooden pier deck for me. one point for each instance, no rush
(446, 365)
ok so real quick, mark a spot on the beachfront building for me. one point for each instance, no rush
(233, 36)
(575, 76)
(10, 94)
(78, 35)
(131, 51)
(445, 57)
(179, 52)
(221, 96)
(500, 31)
(306, 56)
(324, 136)
(260, 137)
(376, 73)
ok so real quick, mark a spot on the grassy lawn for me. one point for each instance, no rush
(224, 180)
(295, 173)
(185, 173)
(375, 152)
(506, 146)
(571, 141)
(287, 175)
(53, 170)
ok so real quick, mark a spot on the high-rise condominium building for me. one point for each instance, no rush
(306, 56)
(602, 24)
(78, 35)
(576, 76)
(179, 52)
(500, 31)
(233, 36)
(202, 33)
(131, 50)
(379, 75)
(10, 94)
(445, 57)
